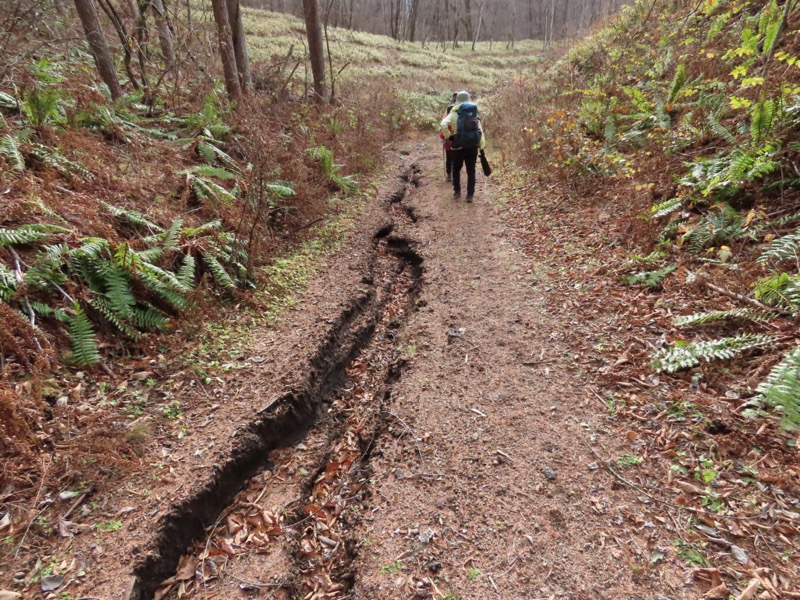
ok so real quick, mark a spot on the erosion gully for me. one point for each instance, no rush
(276, 520)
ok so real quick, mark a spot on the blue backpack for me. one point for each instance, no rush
(468, 131)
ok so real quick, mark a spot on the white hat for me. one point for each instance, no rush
(463, 96)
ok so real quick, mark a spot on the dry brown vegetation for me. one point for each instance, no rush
(655, 171)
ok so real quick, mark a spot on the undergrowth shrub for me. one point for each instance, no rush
(698, 102)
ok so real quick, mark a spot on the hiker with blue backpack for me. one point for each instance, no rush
(462, 128)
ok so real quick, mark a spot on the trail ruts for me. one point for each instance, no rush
(288, 418)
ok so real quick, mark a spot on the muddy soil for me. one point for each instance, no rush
(417, 428)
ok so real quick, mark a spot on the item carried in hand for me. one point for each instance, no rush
(487, 169)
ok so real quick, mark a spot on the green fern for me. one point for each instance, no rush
(781, 388)
(9, 147)
(677, 84)
(192, 232)
(763, 119)
(186, 272)
(718, 128)
(205, 189)
(662, 209)
(45, 310)
(8, 283)
(111, 315)
(149, 318)
(131, 217)
(218, 272)
(721, 225)
(742, 314)
(56, 160)
(783, 248)
(281, 189)
(653, 258)
(26, 234)
(687, 355)
(651, 279)
(330, 169)
(48, 267)
(211, 171)
(781, 290)
(8, 101)
(82, 339)
(211, 153)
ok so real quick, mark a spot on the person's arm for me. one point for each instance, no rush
(448, 125)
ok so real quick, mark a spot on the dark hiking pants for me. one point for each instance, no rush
(466, 157)
(448, 164)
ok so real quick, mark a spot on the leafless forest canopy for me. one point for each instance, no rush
(439, 20)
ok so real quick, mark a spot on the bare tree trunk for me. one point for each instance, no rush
(240, 45)
(226, 50)
(412, 20)
(480, 21)
(468, 19)
(113, 16)
(98, 46)
(165, 37)
(315, 47)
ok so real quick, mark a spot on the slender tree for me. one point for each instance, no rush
(315, 47)
(239, 45)
(98, 46)
(226, 49)
(165, 37)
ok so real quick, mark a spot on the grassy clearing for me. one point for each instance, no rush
(365, 59)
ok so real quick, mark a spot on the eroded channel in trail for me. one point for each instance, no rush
(278, 516)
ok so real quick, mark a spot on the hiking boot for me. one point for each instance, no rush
(469, 198)
(449, 177)
(456, 195)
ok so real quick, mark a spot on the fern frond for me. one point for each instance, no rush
(781, 388)
(211, 171)
(208, 190)
(782, 290)
(132, 217)
(762, 119)
(8, 283)
(662, 209)
(742, 314)
(211, 153)
(677, 84)
(82, 339)
(149, 318)
(186, 273)
(104, 307)
(26, 234)
(59, 162)
(719, 129)
(281, 189)
(688, 355)
(164, 284)
(651, 259)
(9, 147)
(219, 273)
(191, 232)
(650, 278)
(118, 290)
(783, 248)
(8, 101)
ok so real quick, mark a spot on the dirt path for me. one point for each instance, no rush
(455, 462)
(418, 428)
(487, 484)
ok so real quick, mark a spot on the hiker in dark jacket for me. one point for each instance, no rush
(462, 128)
(448, 155)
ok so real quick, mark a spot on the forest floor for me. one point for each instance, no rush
(422, 425)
